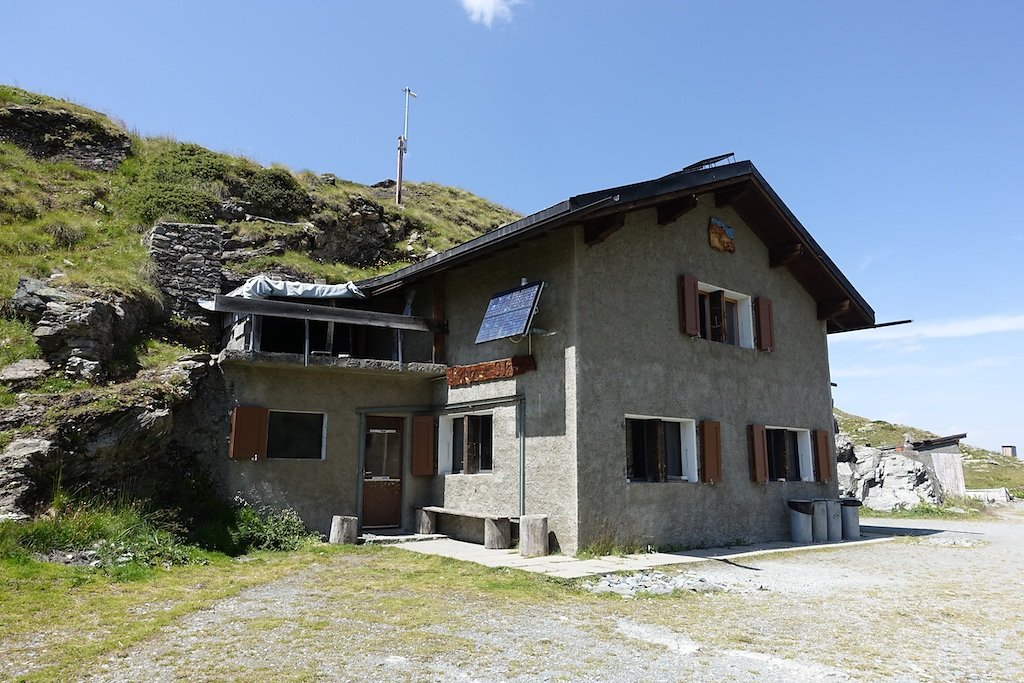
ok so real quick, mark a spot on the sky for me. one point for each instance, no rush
(893, 130)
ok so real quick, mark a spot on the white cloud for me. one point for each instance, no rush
(965, 327)
(486, 11)
(899, 372)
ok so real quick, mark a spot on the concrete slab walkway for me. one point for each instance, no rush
(566, 567)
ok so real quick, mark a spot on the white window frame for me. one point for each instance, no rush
(744, 312)
(323, 433)
(446, 442)
(803, 444)
(687, 446)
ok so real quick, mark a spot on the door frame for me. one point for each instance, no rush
(368, 422)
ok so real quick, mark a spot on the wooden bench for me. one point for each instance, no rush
(497, 528)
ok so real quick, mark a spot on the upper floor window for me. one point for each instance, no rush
(725, 316)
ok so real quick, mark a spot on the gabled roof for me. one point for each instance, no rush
(738, 185)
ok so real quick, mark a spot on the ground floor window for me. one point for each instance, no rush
(789, 454)
(466, 444)
(661, 449)
(296, 435)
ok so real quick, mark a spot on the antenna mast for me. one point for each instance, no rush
(402, 140)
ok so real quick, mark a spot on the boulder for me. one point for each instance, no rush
(75, 331)
(23, 373)
(19, 463)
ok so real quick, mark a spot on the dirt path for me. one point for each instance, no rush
(941, 606)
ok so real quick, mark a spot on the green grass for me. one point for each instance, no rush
(952, 508)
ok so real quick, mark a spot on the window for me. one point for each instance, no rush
(781, 454)
(725, 316)
(296, 435)
(661, 449)
(258, 433)
(465, 444)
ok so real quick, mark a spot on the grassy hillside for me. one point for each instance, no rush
(82, 227)
(982, 468)
(85, 224)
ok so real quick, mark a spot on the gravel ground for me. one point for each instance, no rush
(943, 605)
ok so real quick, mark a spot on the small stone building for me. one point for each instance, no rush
(646, 363)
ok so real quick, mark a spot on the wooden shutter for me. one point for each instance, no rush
(424, 453)
(711, 451)
(765, 329)
(689, 306)
(822, 455)
(758, 443)
(248, 433)
(716, 306)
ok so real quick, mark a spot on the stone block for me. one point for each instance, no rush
(426, 522)
(344, 530)
(533, 535)
(498, 533)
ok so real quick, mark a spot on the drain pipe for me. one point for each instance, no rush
(521, 422)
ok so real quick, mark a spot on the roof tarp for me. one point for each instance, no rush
(261, 287)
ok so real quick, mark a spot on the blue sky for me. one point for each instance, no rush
(892, 130)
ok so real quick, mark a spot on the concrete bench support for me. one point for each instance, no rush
(344, 530)
(426, 522)
(533, 535)
(497, 533)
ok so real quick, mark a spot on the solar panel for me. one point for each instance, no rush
(509, 313)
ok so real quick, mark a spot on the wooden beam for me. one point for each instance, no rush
(670, 212)
(827, 310)
(780, 256)
(598, 230)
(440, 337)
(303, 311)
(729, 195)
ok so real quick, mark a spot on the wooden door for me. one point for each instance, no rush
(382, 472)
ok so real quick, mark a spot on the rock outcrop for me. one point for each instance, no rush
(63, 135)
(107, 439)
(20, 463)
(885, 479)
(77, 333)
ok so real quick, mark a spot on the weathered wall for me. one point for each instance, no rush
(634, 359)
(549, 391)
(316, 489)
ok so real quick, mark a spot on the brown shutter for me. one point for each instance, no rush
(248, 433)
(424, 462)
(758, 444)
(716, 304)
(689, 306)
(822, 455)
(711, 451)
(765, 329)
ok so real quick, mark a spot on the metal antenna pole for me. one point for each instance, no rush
(402, 140)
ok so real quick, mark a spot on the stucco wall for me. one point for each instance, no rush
(549, 391)
(633, 359)
(318, 489)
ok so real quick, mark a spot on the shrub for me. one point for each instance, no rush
(274, 193)
(264, 528)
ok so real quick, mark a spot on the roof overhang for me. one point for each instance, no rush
(738, 185)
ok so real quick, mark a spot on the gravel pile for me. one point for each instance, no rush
(654, 582)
